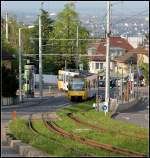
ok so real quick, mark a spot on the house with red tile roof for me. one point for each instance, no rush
(142, 54)
(118, 47)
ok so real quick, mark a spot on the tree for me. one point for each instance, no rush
(8, 47)
(9, 83)
(65, 27)
(47, 27)
(145, 71)
(12, 45)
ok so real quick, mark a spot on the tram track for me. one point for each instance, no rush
(53, 127)
(35, 131)
(79, 121)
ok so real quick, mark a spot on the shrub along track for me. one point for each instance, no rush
(54, 128)
(79, 121)
(30, 124)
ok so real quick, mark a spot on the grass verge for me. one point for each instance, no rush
(59, 146)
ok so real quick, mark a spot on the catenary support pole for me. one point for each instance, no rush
(77, 46)
(107, 54)
(20, 68)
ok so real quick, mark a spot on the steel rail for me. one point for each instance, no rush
(79, 121)
(55, 141)
(53, 127)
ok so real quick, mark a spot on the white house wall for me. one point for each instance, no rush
(92, 65)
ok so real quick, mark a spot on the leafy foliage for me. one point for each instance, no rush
(9, 83)
(8, 47)
(145, 70)
(65, 27)
(47, 27)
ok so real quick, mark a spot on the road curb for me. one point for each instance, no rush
(23, 149)
(25, 104)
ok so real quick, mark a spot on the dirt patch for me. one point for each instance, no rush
(37, 116)
(53, 116)
(82, 129)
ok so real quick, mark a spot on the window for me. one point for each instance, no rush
(93, 66)
(101, 65)
(77, 85)
(97, 65)
(101, 77)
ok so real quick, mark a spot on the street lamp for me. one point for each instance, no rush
(20, 63)
(40, 57)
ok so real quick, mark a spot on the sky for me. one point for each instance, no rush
(83, 7)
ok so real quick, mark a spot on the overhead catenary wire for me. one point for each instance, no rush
(60, 54)
(130, 17)
(70, 39)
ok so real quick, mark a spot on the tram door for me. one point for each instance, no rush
(29, 80)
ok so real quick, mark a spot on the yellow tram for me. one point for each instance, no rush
(60, 79)
(82, 86)
(63, 77)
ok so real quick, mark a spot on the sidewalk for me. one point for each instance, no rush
(137, 114)
(26, 102)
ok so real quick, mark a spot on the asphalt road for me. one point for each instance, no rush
(139, 113)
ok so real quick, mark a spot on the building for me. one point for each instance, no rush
(142, 55)
(7, 59)
(118, 47)
(123, 63)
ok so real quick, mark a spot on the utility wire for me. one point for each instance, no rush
(129, 17)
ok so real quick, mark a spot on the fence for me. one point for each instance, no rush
(137, 94)
(10, 100)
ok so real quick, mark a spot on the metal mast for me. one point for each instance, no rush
(107, 54)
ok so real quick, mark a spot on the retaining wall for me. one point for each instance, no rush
(121, 107)
(23, 149)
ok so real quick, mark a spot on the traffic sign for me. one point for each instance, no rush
(105, 107)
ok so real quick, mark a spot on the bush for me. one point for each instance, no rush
(9, 83)
(145, 70)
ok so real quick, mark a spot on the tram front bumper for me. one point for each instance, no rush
(82, 94)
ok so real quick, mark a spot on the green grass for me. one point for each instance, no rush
(85, 112)
(21, 131)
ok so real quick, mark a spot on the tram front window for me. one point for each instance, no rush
(76, 85)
